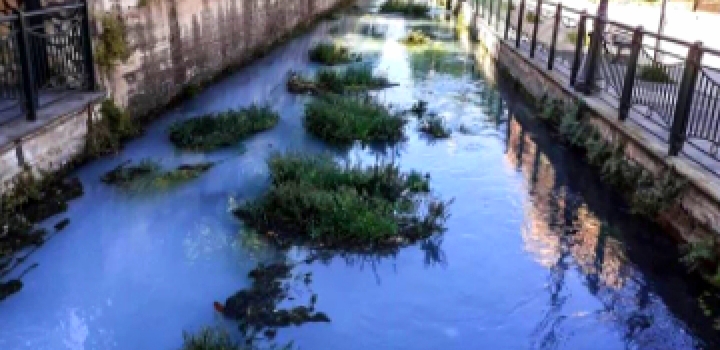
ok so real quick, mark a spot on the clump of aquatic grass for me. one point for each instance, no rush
(329, 54)
(212, 339)
(415, 38)
(407, 8)
(654, 74)
(112, 44)
(224, 129)
(358, 78)
(419, 108)
(319, 201)
(147, 174)
(435, 127)
(342, 120)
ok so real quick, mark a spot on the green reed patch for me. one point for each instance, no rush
(213, 131)
(408, 8)
(329, 54)
(318, 201)
(342, 120)
(415, 38)
(148, 175)
(356, 78)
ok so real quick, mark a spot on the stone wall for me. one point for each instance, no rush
(174, 43)
(696, 216)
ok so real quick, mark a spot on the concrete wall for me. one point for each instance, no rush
(696, 216)
(177, 42)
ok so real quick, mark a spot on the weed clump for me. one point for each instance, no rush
(329, 54)
(148, 174)
(337, 81)
(435, 127)
(405, 8)
(654, 74)
(315, 200)
(415, 38)
(109, 132)
(112, 46)
(702, 257)
(342, 120)
(213, 131)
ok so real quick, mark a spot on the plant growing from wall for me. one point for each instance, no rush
(702, 256)
(112, 45)
(109, 131)
(654, 74)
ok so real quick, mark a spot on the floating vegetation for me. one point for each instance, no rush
(256, 309)
(315, 200)
(408, 8)
(213, 131)
(359, 78)
(329, 54)
(654, 74)
(438, 60)
(342, 120)
(415, 38)
(419, 108)
(32, 200)
(434, 127)
(148, 175)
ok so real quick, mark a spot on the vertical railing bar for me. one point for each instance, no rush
(536, 24)
(715, 119)
(553, 40)
(88, 54)
(579, 43)
(518, 34)
(630, 73)
(684, 99)
(507, 19)
(29, 92)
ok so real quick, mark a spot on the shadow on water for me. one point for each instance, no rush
(579, 223)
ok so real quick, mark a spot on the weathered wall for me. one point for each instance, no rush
(178, 42)
(697, 214)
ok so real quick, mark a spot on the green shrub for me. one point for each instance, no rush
(224, 129)
(112, 46)
(316, 200)
(654, 74)
(407, 8)
(352, 78)
(343, 120)
(107, 133)
(415, 38)
(329, 54)
(435, 127)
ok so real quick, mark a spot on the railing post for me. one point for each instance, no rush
(553, 40)
(521, 13)
(579, 43)
(533, 43)
(497, 15)
(490, 14)
(683, 107)
(626, 97)
(28, 78)
(507, 19)
(88, 56)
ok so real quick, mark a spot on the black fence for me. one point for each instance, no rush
(44, 54)
(666, 85)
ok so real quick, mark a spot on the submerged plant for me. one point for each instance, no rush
(148, 175)
(213, 131)
(435, 127)
(407, 8)
(342, 120)
(318, 201)
(329, 54)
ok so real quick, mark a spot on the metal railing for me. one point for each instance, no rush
(663, 84)
(43, 55)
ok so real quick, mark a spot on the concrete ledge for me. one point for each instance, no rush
(698, 212)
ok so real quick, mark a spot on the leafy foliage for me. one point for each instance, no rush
(434, 126)
(224, 129)
(329, 54)
(109, 131)
(342, 120)
(415, 38)
(654, 74)
(406, 8)
(316, 200)
(112, 46)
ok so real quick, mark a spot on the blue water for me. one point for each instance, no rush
(537, 255)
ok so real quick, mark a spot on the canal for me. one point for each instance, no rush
(538, 254)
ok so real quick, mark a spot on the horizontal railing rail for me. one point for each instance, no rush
(44, 54)
(661, 83)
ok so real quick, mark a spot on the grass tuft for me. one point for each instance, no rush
(342, 120)
(337, 81)
(435, 127)
(224, 129)
(319, 201)
(329, 54)
(406, 8)
(415, 38)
